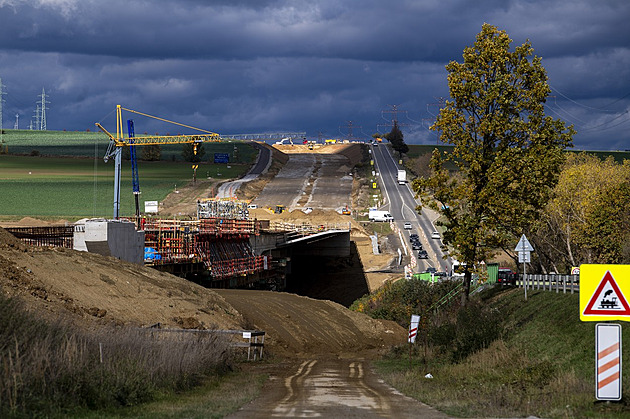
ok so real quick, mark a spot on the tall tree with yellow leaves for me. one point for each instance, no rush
(508, 152)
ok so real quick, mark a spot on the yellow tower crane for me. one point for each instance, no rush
(116, 143)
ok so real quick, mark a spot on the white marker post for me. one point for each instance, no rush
(413, 332)
(608, 361)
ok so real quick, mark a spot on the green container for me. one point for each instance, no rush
(493, 272)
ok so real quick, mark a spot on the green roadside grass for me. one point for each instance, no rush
(543, 364)
(84, 187)
(216, 398)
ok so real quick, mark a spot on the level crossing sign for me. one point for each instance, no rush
(603, 291)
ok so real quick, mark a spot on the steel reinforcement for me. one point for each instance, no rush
(57, 236)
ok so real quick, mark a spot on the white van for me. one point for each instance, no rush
(375, 215)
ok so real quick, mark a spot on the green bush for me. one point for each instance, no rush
(476, 328)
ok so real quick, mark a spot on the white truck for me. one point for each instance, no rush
(402, 177)
(375, 215)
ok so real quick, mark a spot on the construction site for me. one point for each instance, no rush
(258, 232)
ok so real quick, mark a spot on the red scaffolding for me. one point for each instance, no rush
(222, 245)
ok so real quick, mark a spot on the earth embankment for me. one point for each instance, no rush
(92, 289)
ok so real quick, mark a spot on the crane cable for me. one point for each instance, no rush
(171, 122)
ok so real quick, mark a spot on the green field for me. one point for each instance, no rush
(84, 187)
(71, 180)
(417, 150)
(91, 144)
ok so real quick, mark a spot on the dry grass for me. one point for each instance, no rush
(46, 369)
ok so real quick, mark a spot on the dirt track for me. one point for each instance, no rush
(332, 388)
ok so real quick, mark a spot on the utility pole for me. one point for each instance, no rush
(394, 111)
(350, 126)
(36, 116)
(2, 93)
(17, 118)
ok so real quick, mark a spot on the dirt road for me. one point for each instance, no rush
(314, 180)
(332, 388)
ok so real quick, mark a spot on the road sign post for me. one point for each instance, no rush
(603, 291)
(524, 249)
(413, 332)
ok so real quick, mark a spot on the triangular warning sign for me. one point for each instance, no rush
(607, 299)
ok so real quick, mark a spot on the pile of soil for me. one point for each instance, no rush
(94, 289)
(105, 289)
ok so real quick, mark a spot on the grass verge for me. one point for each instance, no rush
(541, 363)
(216, 398)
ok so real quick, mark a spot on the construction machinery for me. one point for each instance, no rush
(279, 209)
(135, 179)
(116, 143)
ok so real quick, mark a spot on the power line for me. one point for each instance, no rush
(394, 120)
(2, 93)
(603, 108)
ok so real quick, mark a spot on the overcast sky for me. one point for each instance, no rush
(319, 66)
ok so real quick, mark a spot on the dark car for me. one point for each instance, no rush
(422, 254)
(431, 270)
(506, 277)
(413, 237)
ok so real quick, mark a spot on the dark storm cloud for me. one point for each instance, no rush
(252, 66)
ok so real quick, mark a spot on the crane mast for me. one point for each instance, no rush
(134, 166)
(116, 143)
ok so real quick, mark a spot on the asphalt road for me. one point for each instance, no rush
(332, 388)
(228, 189)
(402, 204)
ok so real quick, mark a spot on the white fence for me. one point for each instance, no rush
(557, 283)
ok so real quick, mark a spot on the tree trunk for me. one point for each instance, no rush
(466, 285)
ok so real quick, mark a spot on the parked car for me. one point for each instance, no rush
(252, 206)
(407, 226)
(435, 235)
(506, 277)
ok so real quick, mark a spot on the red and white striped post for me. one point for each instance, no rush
(413, 332)
(608, 361)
